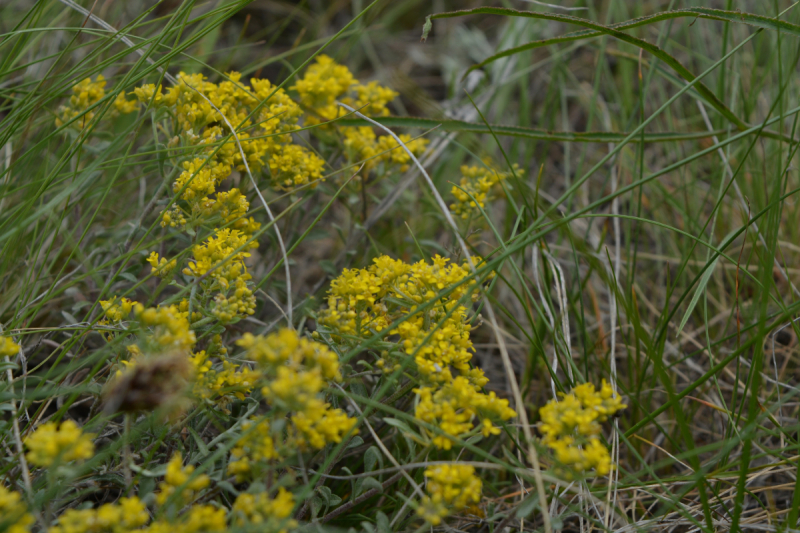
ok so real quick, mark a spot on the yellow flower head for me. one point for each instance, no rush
(177, 475)
(117, 309)
(52, 443)
(571, 427)
(478, 182)
(255, 445)
(8, 347)
(268, 514)
(324, 82)
(451, 488)
(161, 267)
(168, 327)
(14, 515)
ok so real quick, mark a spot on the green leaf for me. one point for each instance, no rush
(382, 523)
(370, 483)
(402, 426)
(371, 458)
(426, 28)
(701, 286)
(200, 444)
(528, 505)
(355, 442)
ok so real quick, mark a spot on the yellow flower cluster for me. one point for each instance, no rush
(364, 301)
(324, 83)
(130, 514)
(167, 329)
(478, 181)
(8, 347)
(221, 259)
(126, 515)
(177, 476)
(267, 120)
(220, 384)
(362, 144)
(86, 94)
(53, 443)
(256, 445)
(116, 309)
(161, 266)
(453, 406)
(265, 513)
(295, 371)
(14, 515)
(264, 118)
(451, 488)
(170, 329)
(571, 427)
(289, 371)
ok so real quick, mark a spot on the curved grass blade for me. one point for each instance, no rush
(676, 65)
(451, 125)
(749, 19)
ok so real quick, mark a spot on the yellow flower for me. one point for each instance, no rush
(294, 389)
(292, 166)
(14, 513)
(117, 309)
(8, 347)
(323, 82)
(52, 443)
(125, 106)
(161, 267)
(319, 425)
(145, 93)
(203, 518)
(85, 94)
(170, 327)
(122, 516)
(255, 445)
(450, 488)
(454, 405)
(478, 181)
(571, 426)
(287, 347)
(269, 514)
(177, 475)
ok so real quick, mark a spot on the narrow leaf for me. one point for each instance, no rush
(701, 286)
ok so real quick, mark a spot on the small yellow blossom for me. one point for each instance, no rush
(122, 516)
(14, 515)
(8, 347)
(319, 425)
(454, 405)
(287, 347)
(161, 267)
(116, 310)
(478, 181)
(52, 443)
(571, 427)
(203, 518)
(268, 514)
(169, 327)
(177, 475)
(450, 488)
(324, 82)
(125, 106)
(255, 445)
(146, 92)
